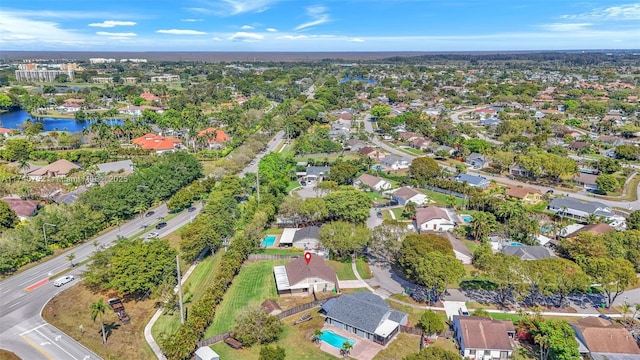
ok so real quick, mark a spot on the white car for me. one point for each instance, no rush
(152, 235)
(63, 280)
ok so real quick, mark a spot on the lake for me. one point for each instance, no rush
(358, 78)
(13, 120)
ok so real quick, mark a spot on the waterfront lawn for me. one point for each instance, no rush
(253, 284)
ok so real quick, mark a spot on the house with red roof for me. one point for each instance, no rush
(157, 143)
(5, 131)
(216, 137)
(149, 97)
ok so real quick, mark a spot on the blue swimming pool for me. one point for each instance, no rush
(269, 240)
(334, 339)
(466, 218)
(516, 244)
(377, 167)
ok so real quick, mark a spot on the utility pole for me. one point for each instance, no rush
(180, 291)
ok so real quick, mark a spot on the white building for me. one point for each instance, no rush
(434, 218)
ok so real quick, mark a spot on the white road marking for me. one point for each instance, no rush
(34, 329)
(45, 343)
(60, 347)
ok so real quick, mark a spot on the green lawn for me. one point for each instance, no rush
(363, 267)
(292, 185)
(295, 339)
(274, 231)
(343, 268)
(440, 198)
(253, 284)
(373, 195)
(283, 251)
(192, 291)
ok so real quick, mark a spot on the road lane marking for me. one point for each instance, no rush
(34, 329)
(60, 347)
(36, 285)
(35, 346)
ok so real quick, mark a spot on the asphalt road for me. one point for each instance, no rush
(24, 295)
(273, 144)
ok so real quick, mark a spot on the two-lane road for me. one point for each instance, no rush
(24, 295)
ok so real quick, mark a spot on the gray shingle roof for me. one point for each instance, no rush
(116, 166)
(593, 207)
(472, 180)
(309, 232)
(318, 170)
(362, 310)
(528, 252)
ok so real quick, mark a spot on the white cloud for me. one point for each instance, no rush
(191, 20)
(246, 36)
(16, 28)
(216, 39)
(565, 26)
(112, 23)
(318, 14)
(116, 34)
(181, 32)
(199, 10)
(272, 30)
(66, 14)
(292, 37)
(621, 12)
(247, 27)
(235, 7)
(356, 40)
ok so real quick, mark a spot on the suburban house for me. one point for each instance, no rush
(408, 136)
(300, 278)
(5, 132)
(579, 145)
(586, 180)
(482, 338)
(404, 195)
(149, 97)
(24, 209)
(433, 218)
(215, 137)
(395, 162)
(444, 148)
(307, 238)
(364, 314)
(595, 229)
(600, 339)
(124, 166)
(526, 252)
(372, 153)
(138, 110)
(527, 195)
(478, 161)
(420, 143)
(472, 180)
(313, 174)
(158, 143)
(565, 206)
(517, 170)
(29, 167)
(57, 169)
(372, 182)
(355, 145)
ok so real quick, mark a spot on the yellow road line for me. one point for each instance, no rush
(35, 346)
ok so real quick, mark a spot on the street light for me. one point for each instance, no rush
(44, 232)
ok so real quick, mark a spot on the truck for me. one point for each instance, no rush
(118, 308)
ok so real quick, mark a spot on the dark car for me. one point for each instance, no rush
(150, 213)
(550, 191)
(603, 316)
(191, 209)
(161, 225)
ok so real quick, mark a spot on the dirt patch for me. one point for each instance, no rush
(70, 312)
(8, 355)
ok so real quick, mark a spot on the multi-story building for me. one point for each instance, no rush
(165, 78)
(101, 61)
(102, 80)
(42, 75)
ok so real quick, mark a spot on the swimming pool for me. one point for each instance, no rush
(269, 240)
(377, 167)
(466, 218)
(516, 244)
(334, 339)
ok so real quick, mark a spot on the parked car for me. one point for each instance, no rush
(152, 235)
(191, 209)
(161, 225)
(63, 280)
(150, 213)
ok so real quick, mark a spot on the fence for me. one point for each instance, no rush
(272, 257)
(213, 340)
(411, 330)
(447, 192)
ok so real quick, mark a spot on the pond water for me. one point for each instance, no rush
(13, 120)
(358, 78)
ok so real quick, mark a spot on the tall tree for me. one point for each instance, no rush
(348, 205)
(431, 323)
(344, 238)
(614, 275)
(98, 309)
(423, 169)
(436, 271)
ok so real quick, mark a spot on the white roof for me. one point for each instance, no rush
(287, 236)
(543, 240)
(570, 229)
(386, 328)
(282, 280)
(207, 353)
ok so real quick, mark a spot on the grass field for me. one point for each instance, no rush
(403, 345)
(192, 291)
(343, 268)
(70, 309)
(295, 339)
(440, 198)
(253, 284)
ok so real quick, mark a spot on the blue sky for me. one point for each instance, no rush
(328, 25)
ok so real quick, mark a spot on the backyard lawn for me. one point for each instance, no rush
(441, 199)
(343, 268)
(403, 345)
(363, 267)
(295, 339)
(192, 291)
(253, 284)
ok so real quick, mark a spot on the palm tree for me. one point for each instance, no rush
(346, 348)
(98, 308)
(482, 224)
(70, 257)
(625, 309)
(23, 165)
(316, 335)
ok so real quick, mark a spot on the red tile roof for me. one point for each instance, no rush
(521, 192)
(152, 141)
(220, 135)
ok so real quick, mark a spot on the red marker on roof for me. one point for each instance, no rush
(307, 257)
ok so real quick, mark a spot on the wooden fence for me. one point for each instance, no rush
(213, 340)
(411, 330)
